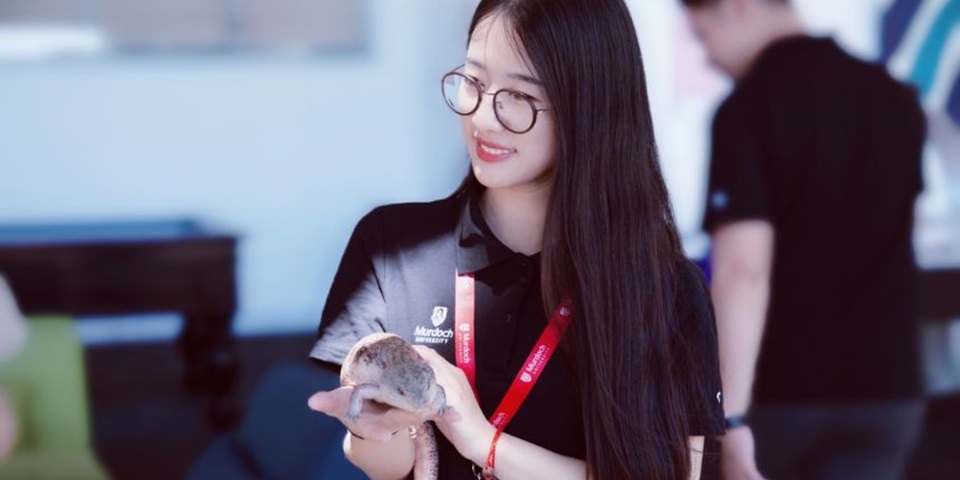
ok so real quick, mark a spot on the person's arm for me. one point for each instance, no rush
(515, 458)
(471, 433)
(390, 460)
(383, 449)
(383, 455)
(519, 459)
(742, 262)
(355, 307)
(380, 454)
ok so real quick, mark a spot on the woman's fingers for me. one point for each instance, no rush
(423, 350)
(377, 421)
(466, 424)
(334, 402)
(453, 381)
(447, 374)
(439, 364)
(429, 354)
(380, 422)
(402, 418)
(450, 414)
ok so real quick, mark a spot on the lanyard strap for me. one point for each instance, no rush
(464, 340)
(463, 331)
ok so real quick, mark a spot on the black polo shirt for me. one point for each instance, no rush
(827, 148)
(398, 275)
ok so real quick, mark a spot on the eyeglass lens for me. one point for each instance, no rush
(513, 110)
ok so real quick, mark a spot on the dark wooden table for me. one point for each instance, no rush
(137, 267)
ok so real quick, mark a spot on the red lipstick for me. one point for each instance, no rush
(492, 152)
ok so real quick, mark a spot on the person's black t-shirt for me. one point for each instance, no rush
(397, 275)
(826, 148)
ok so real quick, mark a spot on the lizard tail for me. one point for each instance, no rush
(426, 463)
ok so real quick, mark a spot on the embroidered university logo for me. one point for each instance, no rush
(434, 334)
(439, 315)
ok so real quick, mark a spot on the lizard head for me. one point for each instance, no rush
(413, 386)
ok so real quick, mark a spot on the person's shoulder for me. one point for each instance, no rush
(864, 74)
(412, 219)
(888, 95)
(730, 106)
(900, 98)
(782, 66)
(784, 59)
(743, 107)
(404, 211)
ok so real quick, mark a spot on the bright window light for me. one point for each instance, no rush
(36, 42)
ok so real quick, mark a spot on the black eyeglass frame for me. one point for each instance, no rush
(496, 112)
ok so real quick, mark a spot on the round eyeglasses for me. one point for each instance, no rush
(515, 110)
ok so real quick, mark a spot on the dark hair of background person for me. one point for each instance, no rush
(610, 241)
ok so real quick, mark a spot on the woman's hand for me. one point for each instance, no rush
(471, 433)
(377, 422)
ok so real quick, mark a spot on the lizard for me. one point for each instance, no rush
(385, 368)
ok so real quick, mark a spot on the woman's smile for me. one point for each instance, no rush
(492, 152)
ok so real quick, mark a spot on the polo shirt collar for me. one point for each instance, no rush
(478, 247)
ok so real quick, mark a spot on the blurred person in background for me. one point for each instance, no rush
(815, 167)
(13, 336)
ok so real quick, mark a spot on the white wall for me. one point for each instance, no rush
(288, 152)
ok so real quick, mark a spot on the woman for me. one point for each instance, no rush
(564, 211)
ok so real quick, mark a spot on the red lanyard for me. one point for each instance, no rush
(532, 368)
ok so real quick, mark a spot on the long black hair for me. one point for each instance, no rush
(610, 241)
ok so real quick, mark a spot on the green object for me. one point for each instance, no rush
(46, 384)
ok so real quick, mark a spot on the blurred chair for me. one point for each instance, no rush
(46, 383)
(279, 436)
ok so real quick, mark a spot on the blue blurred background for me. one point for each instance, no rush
(284, 121)
(285, 146)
